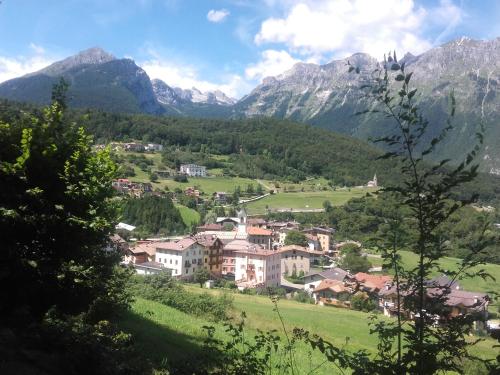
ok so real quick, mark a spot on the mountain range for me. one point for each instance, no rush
(322, 95)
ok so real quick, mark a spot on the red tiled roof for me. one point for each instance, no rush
(333, 285)
(210, 227)
(144, 247)
(377, 281)
(176, 245)
(255, 231)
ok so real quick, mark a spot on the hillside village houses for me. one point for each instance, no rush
(193, 170)
(246, 251)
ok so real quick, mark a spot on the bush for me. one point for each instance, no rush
(181, 178)
(166, 290)
(362, 302)
(303, 297)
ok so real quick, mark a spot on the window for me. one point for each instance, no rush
(187, 271)
(176, 262)
(159, 260)
(223, 269)
(301, 257)
(206, 260)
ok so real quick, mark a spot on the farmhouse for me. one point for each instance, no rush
(193, 170)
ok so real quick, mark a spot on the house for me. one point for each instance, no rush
(182, 256)
(311, 281)
(227, 221)
(209, 227)
(373, 183)
(220, 197)
(333, 292)
(212, 253)
(150, 268)
(116, 243)
(260, 236)
(372, 284)
(133, 147)
(313, 241)
(192, 192)
(323, 235)
(142, 252)
(257, 268)
(444, 299)
(193, 170)
(296, 259)
(228, 254)
(120, 184)
(153, 147)
(257, 222)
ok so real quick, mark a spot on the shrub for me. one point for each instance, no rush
(303, 297)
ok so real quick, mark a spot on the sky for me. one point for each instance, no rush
(231, 45)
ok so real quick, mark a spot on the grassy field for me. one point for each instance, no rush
(306, 200)
(189, 215)
(163, 332)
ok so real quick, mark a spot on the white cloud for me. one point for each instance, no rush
(13, 67)
(187, 77)
(272, 63)
(39, 50)
(342, 27)
(217, 16)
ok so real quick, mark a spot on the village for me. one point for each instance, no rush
(251, 252)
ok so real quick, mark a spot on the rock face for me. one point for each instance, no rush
(328, 96)
(97, 80)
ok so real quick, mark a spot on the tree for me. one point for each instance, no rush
(58, 282)
(295, 237)
(55, 215)
(201, 275)
(353, 260)
(428, 192)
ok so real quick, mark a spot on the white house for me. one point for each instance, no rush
(256, 267)
(193, 170)
(152, 147)
(183, 257)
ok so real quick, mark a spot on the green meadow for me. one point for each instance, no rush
(164, 333)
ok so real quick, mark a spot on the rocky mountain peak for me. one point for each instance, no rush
(94, 55)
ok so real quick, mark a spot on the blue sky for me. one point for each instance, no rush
(231, 44)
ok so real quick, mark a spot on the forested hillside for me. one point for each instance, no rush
(258, 148)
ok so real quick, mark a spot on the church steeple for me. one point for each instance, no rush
(242, 221)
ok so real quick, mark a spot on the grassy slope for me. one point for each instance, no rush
(304, 200)
(159, 329)
(188, 215)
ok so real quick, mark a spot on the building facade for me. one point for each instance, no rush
(183, 257)
(193, 170)
(256, 267)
